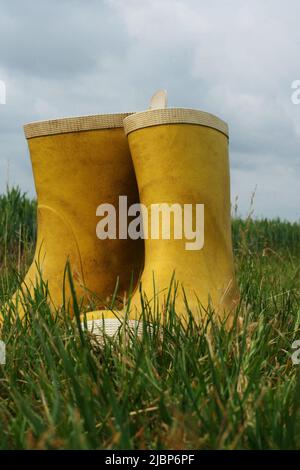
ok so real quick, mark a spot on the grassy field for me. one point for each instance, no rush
(183, 389)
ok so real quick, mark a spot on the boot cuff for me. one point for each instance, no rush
(156, 117)
(74, 124)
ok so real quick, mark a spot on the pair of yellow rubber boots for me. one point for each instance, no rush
(172, 159)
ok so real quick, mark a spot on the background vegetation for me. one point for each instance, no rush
(180, 388)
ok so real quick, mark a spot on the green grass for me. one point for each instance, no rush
(184, 388)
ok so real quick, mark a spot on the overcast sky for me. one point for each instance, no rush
(234, 59)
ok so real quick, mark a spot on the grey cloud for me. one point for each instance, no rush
(58, 39)
(233, 59)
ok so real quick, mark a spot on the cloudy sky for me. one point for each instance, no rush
(234, 59)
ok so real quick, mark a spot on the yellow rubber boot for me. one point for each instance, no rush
(78, 164)
(180, 157)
